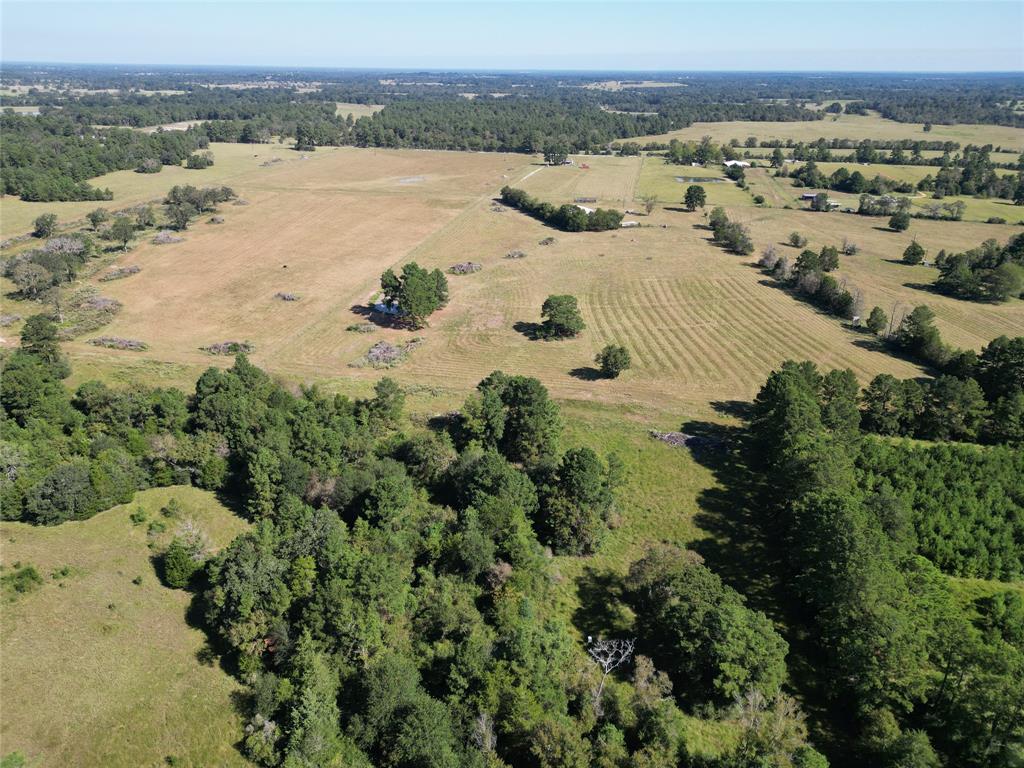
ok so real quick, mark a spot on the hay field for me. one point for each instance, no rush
(702, 324)
(131, 188)
(849, 127)
(324, 228)
(876, 270)
(99, 671)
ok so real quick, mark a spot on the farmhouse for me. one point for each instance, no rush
(736, 164)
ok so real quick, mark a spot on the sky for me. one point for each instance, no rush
(746, 35)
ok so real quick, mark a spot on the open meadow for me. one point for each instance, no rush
(702, 324)
(101, 662)
(845, 126)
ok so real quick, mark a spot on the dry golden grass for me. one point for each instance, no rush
(99, 671)
(702, 324)
(344, 109)
(131, 188)
(850, 127)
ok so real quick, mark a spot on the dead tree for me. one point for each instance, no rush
(608, 654)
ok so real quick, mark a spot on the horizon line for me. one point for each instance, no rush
(512, 70)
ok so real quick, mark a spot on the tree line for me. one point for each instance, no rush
(913, 676)
(51, 158)
(567, 217)
(391, 604)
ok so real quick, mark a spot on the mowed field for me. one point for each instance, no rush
(130, 188)
(702, 324)
(98, 670)
(849, 127)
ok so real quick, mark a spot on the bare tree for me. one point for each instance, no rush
(609, 655)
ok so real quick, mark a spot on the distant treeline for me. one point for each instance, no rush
(922, 98)
(51, 157)
(568, 217)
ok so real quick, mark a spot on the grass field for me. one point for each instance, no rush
(100, 671)
(344, 109)
(701, 323)
(668, 182)
(232, 162)
(850, 127)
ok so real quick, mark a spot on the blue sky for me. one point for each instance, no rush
(863, 35)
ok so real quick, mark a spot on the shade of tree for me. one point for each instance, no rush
(44, 225)
(877, 321)
(613, 360)
(695, 197)
(122, 231)
(417, 293)
(561, 317)
(899, 221)
(914, 253)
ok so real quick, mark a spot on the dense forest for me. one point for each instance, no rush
(51, 156)
(868, 529)
(391, 606)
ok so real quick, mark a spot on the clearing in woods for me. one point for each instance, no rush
(100, 670)
(344, 109)
(702, 324)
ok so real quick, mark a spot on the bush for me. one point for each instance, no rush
(900, 221)
(179, 565)
(562, 317)
(914, 254)
(45, 225)
(613, 360)
(199, 161)
(797, 240)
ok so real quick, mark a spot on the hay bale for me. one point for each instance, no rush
(120, 272)
(229, 348)
(516, 254)
(115, 342)
(285, 296)
(166, 237)
(465, 268)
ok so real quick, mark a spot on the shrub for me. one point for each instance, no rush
(45, 225)
(199, 161)
(914, 254)
(613, 360)
(900, 221)
(797, 240)
(562, 317)
(179, 565)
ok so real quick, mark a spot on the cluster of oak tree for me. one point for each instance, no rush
(567, 217)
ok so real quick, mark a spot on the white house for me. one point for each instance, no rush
(584, 208)
(736, 164)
